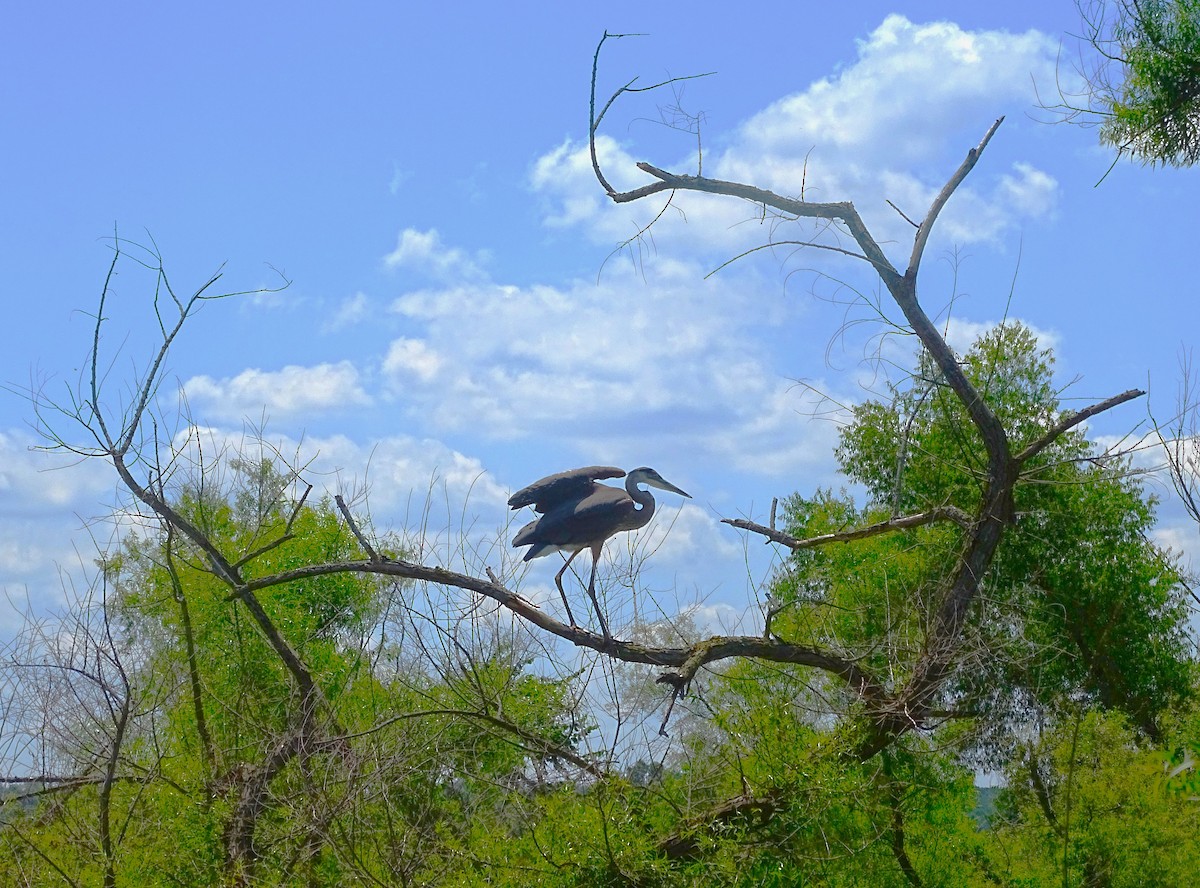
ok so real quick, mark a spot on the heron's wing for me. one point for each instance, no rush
(566, 487)
(580, 525)
(526, 535)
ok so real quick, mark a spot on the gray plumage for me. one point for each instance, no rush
(554, 490)
(578, 513)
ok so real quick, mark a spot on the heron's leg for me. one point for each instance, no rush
(558, 582)
(592, 593)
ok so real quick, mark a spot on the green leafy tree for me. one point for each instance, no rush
(1079, 606)
(1079, 600)
(1142, 78)
(1090, 804)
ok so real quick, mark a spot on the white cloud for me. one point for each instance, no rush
(683, 533)
(893, 124)
(621, 369)
(1030, 190)
(962, 333)
(351, 311)
(292, 390)
(424, 251)
(911, 84)
(391, 470)
(411, 356)
(566, 174)
(34, 481)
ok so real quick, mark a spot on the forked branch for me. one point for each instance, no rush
(595, 119)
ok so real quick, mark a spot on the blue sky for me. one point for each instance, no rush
(456, 311)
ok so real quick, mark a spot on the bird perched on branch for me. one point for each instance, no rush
(579, 513)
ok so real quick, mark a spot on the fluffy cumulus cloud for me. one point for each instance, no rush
(893, 124)
(424, 252)
(290, 391)
(617, 367)
(910, 86)
(412, 357)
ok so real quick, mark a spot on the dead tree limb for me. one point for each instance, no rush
(904, 522)
(907, 708)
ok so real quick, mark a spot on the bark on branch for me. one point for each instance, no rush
(904, 522)
(843, 212)
(935, 209)
(686, 660)
(1070, 420)
(684, 843)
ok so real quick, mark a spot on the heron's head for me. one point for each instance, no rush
(649, 477)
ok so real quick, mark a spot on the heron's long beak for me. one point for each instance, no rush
(663, 484)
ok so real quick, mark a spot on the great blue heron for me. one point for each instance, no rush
(577, 513)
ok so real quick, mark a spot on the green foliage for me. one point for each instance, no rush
(1154, 113)
(433, 760)
(1106, 813)
(920, 449)
(873, 595)
(164, 592)
(414, 772)
(1079, 606)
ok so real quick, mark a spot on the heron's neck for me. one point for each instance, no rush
(643, 499)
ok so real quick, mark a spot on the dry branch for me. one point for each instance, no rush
(1071, 420)
(905, 522)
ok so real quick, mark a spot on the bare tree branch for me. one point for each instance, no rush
(1071, 420)
(843, 212)
(935, 209)
(905, 522)
(688, 659)
(595, 119)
